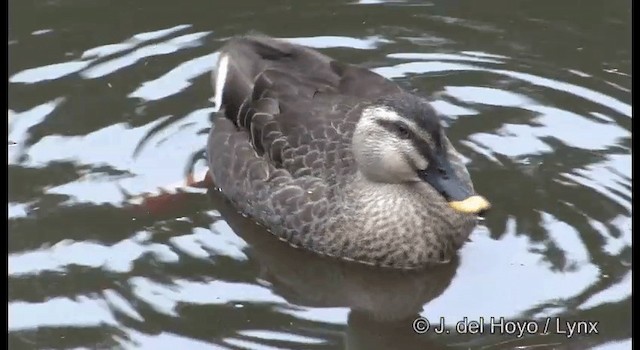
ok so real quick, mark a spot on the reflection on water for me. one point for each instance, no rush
(109, 109)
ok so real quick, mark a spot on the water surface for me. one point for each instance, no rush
(109, 103)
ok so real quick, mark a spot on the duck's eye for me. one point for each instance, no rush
(403, 131)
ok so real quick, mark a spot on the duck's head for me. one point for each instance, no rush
(400, 139)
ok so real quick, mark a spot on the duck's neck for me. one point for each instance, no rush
(403, 224)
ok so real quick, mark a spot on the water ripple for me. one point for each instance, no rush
(401, 70)
(119, 257)
(323, 42)
(615, 293)
(165, 298)
(59, 312)
(521, 270)
(48, 72)
(170, 46)
(104, 125)
(175, 80)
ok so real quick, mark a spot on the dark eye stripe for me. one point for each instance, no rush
(397, 128)
(418, 142)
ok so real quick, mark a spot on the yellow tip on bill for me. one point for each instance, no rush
(471, 205)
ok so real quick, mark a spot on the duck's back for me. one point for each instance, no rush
(280, 147)
(295, 102)
(290, 69)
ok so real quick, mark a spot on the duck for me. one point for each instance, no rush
(336, 159)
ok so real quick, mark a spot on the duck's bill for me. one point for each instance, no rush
(455, 191)
(471, 205)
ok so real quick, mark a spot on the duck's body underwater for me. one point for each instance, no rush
(336, 159)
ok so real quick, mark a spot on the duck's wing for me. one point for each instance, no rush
(303, 70)
(298, 107)
(280, 144)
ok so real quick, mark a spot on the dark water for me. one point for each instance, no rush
(109, 103)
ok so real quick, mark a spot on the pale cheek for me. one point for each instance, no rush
(395, 164)
(421, 163)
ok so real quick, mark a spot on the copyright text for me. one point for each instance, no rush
(503, 326)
